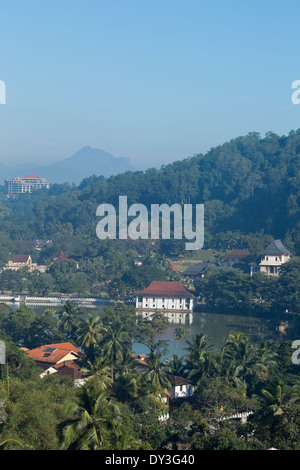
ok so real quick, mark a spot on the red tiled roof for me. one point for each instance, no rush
(45, 354)
(173, 268)
(32, 176)
(69, 368)
(141, 359)
(238, 254)
(19, 258)
(63, 257)
(164, 289)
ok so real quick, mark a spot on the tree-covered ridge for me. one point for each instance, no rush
(249, 187)
(247, 184)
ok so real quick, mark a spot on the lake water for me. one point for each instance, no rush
(216, 326)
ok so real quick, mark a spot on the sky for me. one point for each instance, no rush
(153, 81)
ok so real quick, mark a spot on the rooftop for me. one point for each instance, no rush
(176, 380)
(32, 176)
(276, 247)
(197, 268)
(52, 353)
(19, 258)
(238, 254)
(172, 268)
(164, 289)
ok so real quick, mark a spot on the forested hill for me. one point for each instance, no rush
(249, 184)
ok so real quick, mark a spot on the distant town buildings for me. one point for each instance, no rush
(24, 184)
(17, 262)
(269, 261)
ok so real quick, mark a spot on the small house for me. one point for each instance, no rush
(271, 259)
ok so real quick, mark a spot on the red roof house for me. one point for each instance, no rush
(165, 289)
(53, 354)
(57, 358)
(167, 296)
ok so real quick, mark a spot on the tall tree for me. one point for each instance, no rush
(69, 319)
(93, 423)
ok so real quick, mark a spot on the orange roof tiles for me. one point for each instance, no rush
(52, 353)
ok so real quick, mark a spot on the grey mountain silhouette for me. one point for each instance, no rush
(86, 162)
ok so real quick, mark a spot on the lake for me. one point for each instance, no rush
(216, 326)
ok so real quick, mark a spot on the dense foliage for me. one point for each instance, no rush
(249, 187)
(119, 406)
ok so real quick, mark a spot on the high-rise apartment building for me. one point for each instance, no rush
(25, 184)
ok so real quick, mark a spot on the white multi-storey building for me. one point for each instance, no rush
(272, 258)
(25, 184)
(171, 298)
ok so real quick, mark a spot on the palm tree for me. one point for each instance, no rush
(94, 421)
(275, 399)
(242, 360)
(157, 379)
(180, 333)
(128, 363)
(68, 318)
(177, 365)
(113, 345)
(200, 359)
(127, 442)
(90, 333)
(98, 373)
(126, 388)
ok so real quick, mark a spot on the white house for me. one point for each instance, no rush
(181, 387)
(171, 298)
(274, 256)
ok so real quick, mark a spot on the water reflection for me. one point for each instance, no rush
(215, 326)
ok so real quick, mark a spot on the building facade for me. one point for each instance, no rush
(171, 298)
(271, 259)
(17, 262)
(181, 387)
(24, 184)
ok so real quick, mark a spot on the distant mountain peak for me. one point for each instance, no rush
(85, 162)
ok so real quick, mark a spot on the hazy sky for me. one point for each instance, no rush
(154, 81)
